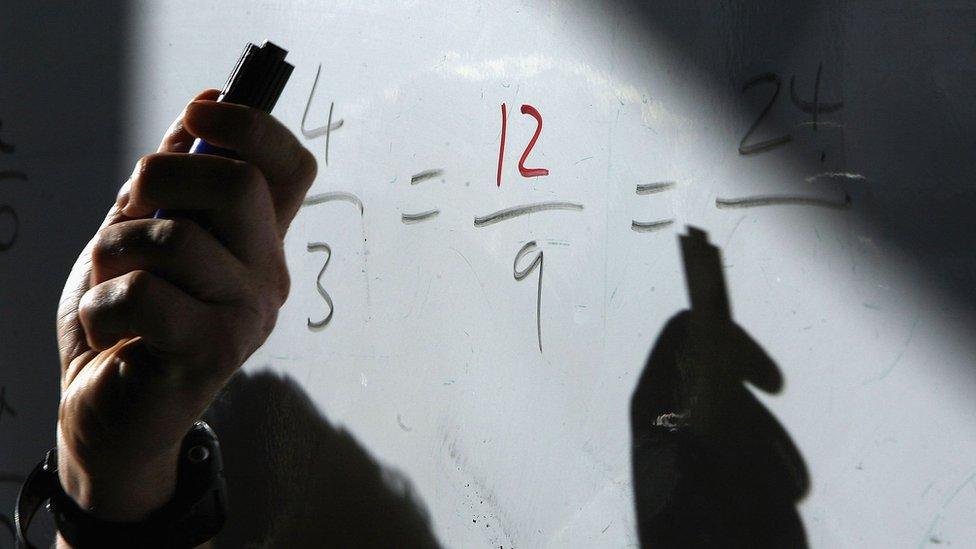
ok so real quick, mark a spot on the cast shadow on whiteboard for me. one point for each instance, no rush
(711, 466)
(911, 199)
(295, 480)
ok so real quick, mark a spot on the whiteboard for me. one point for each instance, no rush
(758, 213)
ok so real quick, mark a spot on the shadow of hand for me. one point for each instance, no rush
(294, 480)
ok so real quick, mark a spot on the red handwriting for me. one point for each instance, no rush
(531, 172)
(501, 147)
(526, 172)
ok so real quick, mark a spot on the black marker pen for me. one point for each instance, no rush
(257, 80)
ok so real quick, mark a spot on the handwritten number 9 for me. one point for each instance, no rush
(521, 274)
(321, 247)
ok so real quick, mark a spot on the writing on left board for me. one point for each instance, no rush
(9, 221)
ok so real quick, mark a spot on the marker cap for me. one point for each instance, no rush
(258, 78)
(256, 81)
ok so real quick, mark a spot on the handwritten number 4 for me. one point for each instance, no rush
(526, 172)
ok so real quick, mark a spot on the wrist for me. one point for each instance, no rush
(167, 501)
(124, 492)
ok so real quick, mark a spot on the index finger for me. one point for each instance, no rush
(177, 139)
(262, 140)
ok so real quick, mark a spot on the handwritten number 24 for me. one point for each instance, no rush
(815, 107)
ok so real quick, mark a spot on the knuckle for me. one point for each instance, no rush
(306, 167)
(88, 305)
(261, 308)
(171, 236)
(148, 165)
(134, 286)
(95, 314)
(264, 315)
(147, 168)
(107, 244)
(142, 166)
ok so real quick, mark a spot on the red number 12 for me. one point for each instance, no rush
(526, 172)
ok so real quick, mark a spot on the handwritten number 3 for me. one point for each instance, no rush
(521, 274)
(321, 247)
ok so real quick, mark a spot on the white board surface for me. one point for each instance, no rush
(840, 249)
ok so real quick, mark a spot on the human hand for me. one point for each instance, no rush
(157, 314)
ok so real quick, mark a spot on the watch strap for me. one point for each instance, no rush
(42, 483)
(194, 515)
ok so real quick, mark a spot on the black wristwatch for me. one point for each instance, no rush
(196, 513)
